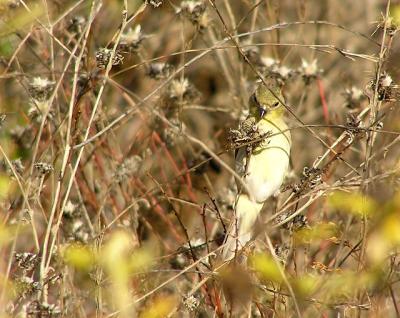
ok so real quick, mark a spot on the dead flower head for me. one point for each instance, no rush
(132, 39)
(41, 89)
(103, 57)
(386, 88)
(182, 91)
(160, 70)
(128, 168)
(354, 97)
(43, 168)
(309, 71)
(273, 68)
(193, 10)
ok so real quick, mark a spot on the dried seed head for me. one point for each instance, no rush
(26, 261)
(299, 222)
(182, 91)
(310, 179)
(160, 70)
(128, 168)
(309, 71)
(43, 167)
(26, 286)
(192, 9)
(272, 68)
(247, 135)
(70, 209)
(155, 3)
(172, 135)
(103, 56)
(282, 252)
(354, 97)
(78, 232)
(269, 62)
(41, 89)
(248, 126)
(76, 24)
(252, 53)
(37, 109)
(386, 88)
(191, 303)
(132, 39)
(36, 309)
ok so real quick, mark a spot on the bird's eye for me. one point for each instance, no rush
(276, 104)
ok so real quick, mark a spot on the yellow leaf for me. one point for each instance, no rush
(391, 228)
(267, 267)
(305, 285)
(160, 308)
(5, 184)
(79, 256)
(355, 203)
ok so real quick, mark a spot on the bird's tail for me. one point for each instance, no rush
(240, 229)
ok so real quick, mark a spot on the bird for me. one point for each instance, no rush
(262, 167)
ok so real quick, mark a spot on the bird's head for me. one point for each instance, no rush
(264, 103)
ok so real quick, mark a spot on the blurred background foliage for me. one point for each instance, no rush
(130, 223)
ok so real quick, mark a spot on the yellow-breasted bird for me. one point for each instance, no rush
(262, 168)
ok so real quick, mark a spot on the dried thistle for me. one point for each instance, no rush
(247, 135)
(43, 168)
(386, 88)
(272, 68)
(191, 303)
(26, 286)
(76, 24)
(132, 39)
(299, 222)
(193, 10)
(36, 309)
(70, 210)
(103, 56)
(160, 70)
(173, 134)
(181, 92)
(155, 3)
(128, 168)
(40, 89)
(252, 53)
(282, 252)
(309, 71)
(310, 179)
(354, 97)
(26, 261)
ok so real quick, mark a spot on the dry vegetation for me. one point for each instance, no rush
(116, 180)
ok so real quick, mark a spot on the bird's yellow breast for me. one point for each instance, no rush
(269, 162)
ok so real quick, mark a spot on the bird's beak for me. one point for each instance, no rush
(262, 111)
